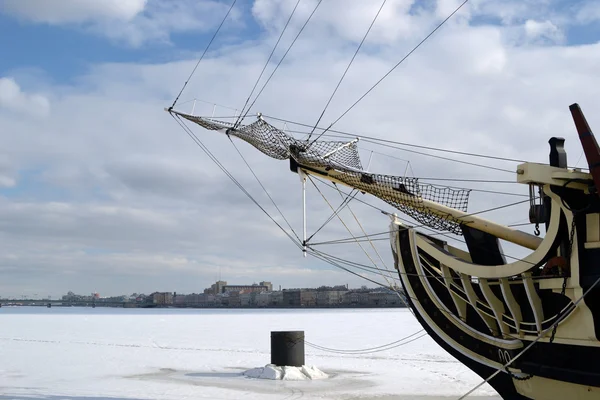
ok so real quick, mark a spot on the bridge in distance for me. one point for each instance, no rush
(63, 303)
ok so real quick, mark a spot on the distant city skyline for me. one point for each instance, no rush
(35, 296)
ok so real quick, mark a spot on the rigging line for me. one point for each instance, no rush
(324, 258)
(409, 222)
(204, 53)
(374, 351)
(209, 102)
(329, 261)
(365, 137)
(357, 265)
(284, 55)
(385, 154)
(240, 118)
(346, 71)
(430, 155)
(362, 350)
(217, 118)
(468, 180)
(200, 144)
(523, 224)
(492, 192)
(440, 157)
(350, 239)
(391, 287)
(345, 226)
(435, 233)
(364, 266)
(542, 334)
(347, 242)
(371, 351)
(265, 190)
(346, 201)
(357, 199)
(418, 226)
(481, 212)
(394, 67)
(496, 208)
(363, 231)
(454, 187)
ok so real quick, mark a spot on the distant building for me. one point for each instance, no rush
(246, 288)
(358, 297)
(263, 299)
(299, 297)
(162, 298)
(216, 288)
(276, 299)
(222, 287)
(246, 299)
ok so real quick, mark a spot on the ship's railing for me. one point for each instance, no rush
(503, 315)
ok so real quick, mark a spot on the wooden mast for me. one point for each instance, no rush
(588, 142)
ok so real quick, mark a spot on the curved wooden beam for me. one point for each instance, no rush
(496, 271)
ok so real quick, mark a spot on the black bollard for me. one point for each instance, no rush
(287, 348)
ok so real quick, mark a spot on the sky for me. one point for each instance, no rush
(100, 190)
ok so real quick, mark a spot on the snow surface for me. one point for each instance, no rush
(286, 373)
(154, 354)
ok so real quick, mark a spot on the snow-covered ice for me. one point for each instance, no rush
(155, 354)
(286, 373)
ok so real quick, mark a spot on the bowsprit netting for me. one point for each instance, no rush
(405, 194)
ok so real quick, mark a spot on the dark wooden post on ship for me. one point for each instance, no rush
(287, 348)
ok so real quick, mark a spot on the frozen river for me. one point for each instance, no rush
(102, 354)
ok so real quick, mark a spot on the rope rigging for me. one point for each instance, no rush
(349, 197)
(393, 68)
(241, 118)
(319, 255)
(283, 57)
(200, 144)
(349, 231)
(364, 137)
(418, 226)
(369, 350)
(384, 143)
(346, 71)
(203, 54)
(265, 190)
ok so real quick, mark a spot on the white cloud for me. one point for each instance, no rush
(133, 22)
(14, 99)
(73, 11)
(588, 13)
(511, 12)
(124, 195)
(545, 30)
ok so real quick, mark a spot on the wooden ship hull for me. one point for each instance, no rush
(466, 316)
(536, 320)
